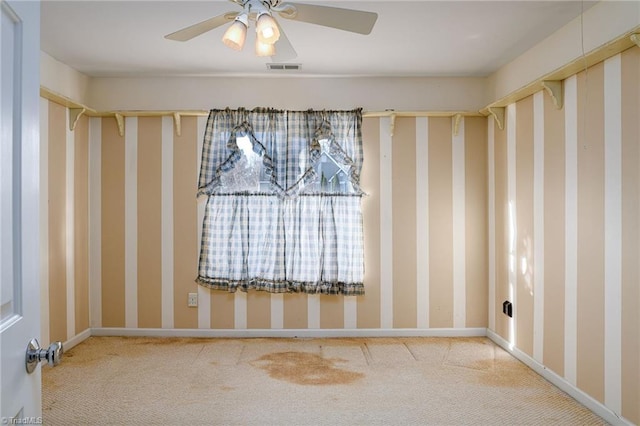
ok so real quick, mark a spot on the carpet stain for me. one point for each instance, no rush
(506, 375)
(304, 368)
(484, 364)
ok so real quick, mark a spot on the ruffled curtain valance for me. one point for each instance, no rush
(283, 212)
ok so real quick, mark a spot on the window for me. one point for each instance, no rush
(283, 212)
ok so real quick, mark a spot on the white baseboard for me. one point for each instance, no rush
(77, 339)
(303, 333)
(558, 381)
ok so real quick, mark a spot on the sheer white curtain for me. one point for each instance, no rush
(283, 212)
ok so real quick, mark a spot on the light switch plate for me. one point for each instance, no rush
(193, 300)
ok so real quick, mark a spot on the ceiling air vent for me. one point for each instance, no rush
(284, 67)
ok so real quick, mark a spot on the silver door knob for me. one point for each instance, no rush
(35, 354)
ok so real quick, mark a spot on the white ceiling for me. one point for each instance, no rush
(410, 38)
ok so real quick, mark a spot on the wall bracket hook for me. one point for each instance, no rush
(498, 115)
(120, 120)
(177, 123)
(456, 124)
(554, 89)
(74, 116)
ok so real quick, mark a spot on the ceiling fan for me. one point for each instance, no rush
(269, 32)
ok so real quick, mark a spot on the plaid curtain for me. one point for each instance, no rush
(283, 212)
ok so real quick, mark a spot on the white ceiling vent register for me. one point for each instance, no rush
(284, 67)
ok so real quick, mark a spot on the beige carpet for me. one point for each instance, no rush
(400, 381)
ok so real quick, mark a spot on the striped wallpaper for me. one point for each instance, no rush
(150, 224)
(133, 231)
(64, 224)
(544, 213)
(564, 189)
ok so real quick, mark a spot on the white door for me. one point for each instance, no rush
(20, 400)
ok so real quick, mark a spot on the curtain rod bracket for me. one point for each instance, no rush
(635, 38)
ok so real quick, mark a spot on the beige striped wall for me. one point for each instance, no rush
(149, 231)
(64, 224)
(564, 191)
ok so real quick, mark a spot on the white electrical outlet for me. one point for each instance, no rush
(193, 300)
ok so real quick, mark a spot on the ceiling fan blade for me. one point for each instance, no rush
(201, 27)
(355, 21)
(284, 49)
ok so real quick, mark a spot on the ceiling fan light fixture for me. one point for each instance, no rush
(236, 34)
(267, 28)
(264, 49)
